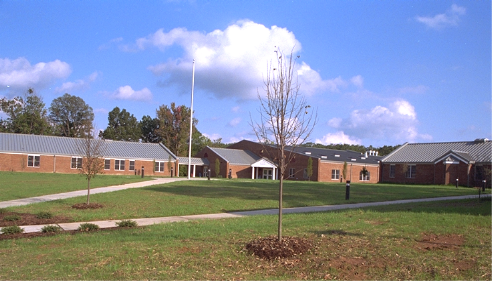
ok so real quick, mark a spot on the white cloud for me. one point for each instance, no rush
(439, 21)
(236, 109)
(240, 53)
(127, 93)
(337, 138)
(358, 81)
(335, 122)
(396, 122)
(234, 122)
(78, 85)
(20, 74)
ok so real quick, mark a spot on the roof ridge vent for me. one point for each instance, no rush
(481, 140)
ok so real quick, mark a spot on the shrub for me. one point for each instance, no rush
(44, 215)
(87, 227)
(3, 210)
(12, 230)
(127, 223)
(51, 229)
(11, 218)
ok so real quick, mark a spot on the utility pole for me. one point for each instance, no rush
(191, 126)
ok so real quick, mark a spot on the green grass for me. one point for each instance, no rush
(203, 196)
(16, 185)
(379, 243)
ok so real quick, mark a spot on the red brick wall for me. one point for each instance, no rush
(212, 156)
(18, 163)
(353, 172)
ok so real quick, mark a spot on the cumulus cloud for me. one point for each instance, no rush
(337, 138)
(77, 85)
(447, 19)
(127, 93)
(240, 53)
(234, 122)
(398, 122)
(20, 74)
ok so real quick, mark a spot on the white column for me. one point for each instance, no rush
(273, 173)
(252, 172)
(194, 170)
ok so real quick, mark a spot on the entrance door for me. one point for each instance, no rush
(267, 174)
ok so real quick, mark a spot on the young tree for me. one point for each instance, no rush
(91, 151)
(285, 117)
(217, 167)
(309, 168)
(71, 116)
(122, 126)
(344, 171)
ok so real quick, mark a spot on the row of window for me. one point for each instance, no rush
(410, 172)
(335, 174)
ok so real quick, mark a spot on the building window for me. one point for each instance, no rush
(76, 163)
(107, 164)
(365, 177)
(120, 165)
(131, 165)
(335, 174)
(159, 166)
(411, 171)
(34, 161)
(392, 171)
(292, 172)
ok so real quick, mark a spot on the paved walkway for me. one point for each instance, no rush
(159, 220)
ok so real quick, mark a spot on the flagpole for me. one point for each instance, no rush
(191, 126)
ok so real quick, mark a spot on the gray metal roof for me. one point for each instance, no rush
(194, 161)
(53, 145)
(478, 151)
(236, 157)
(338, 155)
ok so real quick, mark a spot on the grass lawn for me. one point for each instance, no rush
(16, 185)
(379, 243)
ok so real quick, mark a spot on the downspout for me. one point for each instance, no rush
(54, 161)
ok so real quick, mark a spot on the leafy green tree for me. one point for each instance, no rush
(71, 116)
(26, 115)
(122, 126)
(174, 127)
(92, 152)
(309, 168)
(344, 171)
(149, 127)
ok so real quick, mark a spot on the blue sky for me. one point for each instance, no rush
(378, 72)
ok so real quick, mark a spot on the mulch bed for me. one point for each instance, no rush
(87, 206)
(270, 248)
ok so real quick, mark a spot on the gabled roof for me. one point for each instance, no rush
(235, 156)
(194, 161)
(479, 151)
(54, 145)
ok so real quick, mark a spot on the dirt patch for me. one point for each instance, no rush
(30, 219)
(87, 206)
(439, 242)
(271, 248)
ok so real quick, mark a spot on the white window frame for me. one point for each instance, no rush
(109, 164)
(35, 159)
(132, 165)
(365, 177)
(292, 172)
(159, 166)
(391, 173)
(410, 173)
(335, 174)
(78, 163)
(119, 165)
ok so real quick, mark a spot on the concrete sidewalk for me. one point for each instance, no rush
(159, 220)
(84, 192)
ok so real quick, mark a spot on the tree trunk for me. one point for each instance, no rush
(280, 208)
(87, 200)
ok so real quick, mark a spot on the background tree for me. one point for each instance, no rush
(344, 171)
(309, 168)
(71, 116)
(91, 150)
(285, 117)
(26, 114)
(149, 127)
(122, 126)
(174, 127)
